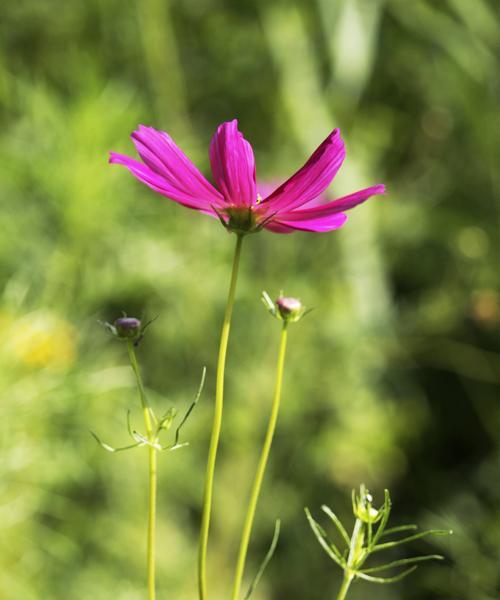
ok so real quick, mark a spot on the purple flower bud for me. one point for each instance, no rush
(128, 328)
(290, 309)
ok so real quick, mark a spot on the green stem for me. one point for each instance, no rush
(346, 582)
(151, 543)
(140, 387)
(261, 468)
(355, 549)
(216, 427)
(152, 523)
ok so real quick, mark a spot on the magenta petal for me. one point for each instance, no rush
(312, 179)
(233, 165)
(276, 227)
(157, 183)
(333, 207)
(318, 225)
(174, 173)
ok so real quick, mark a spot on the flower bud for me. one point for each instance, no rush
(363, 508)
(290, 309)
(128, 328)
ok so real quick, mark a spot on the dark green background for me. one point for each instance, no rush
(392, 380)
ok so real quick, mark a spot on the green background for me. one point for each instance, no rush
(392, 380)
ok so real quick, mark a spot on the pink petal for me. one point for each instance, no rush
(143, 173)
(312, 179)
(333, 207)
(318, 225)
(276, 227)
(167, 170)
(233, 165)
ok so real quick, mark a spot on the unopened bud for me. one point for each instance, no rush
(288, 306)
(367, 514)
(285, 308)
(128, 328)
(363, 508)
(290, 309)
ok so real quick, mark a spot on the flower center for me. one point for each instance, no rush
(242, 219)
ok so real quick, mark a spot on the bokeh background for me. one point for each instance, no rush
(393, 379)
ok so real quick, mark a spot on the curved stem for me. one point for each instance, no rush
(216, 427)
(151, 543)
(261, 468)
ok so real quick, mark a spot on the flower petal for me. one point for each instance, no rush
(312, 179)
(233, 165)
(143, 173)
(168, 171)
(316, 225)
(333, 207)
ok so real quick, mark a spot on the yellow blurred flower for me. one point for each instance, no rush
(41, 339)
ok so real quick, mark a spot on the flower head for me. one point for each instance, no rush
(284, 308)
(294, 205)
(129, 329)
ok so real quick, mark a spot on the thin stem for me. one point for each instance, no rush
(152, 523)
(151, 543)
(354, 551)
(140, 387)
(346, 583)
(216, 427)
(261, 468)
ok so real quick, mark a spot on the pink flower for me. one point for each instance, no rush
(294, 205)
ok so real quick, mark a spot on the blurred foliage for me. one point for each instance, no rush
(392, 380)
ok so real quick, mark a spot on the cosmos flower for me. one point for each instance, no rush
(295, 205)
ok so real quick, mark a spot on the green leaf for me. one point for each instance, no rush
(337, 523)
(403, 562)
(143, 441)
(386, 511)
(410, 538)
(266, 560)
(175, 446)
(268, 303)
(129, 424)
(109, 448)
(386, 579)
(330, 548)
(189, 410)
(399, 529)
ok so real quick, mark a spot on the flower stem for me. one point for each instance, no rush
(261, 468)
(216, 427)
(152, 523)
(355, 549)
(346, 582)
(152, 475)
